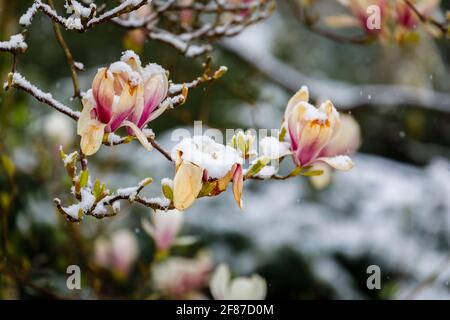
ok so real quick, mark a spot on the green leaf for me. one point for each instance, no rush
(282, 134)
(257, 166)
(84, 176)
(97, 189)
(312, 173)
(167, 192)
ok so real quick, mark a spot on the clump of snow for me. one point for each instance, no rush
(312, 113)
(272, 148)
(167, 182)
(25, 19)
(79, 65)
(122, 67)
(130, 54)
(160, 201)
(130, 192)
(15, 42)
(203, 151)
(113, 138)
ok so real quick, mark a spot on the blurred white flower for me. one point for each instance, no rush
(164, 227)
(182, 277)
(59, 128)
(241, 288)
(118, 253)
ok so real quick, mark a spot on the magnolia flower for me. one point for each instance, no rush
(164, 227)
(125, 94)
(205, 165)
(118, 253)
(311, 130)
(346, 141)
(182, 277)
(242, 288)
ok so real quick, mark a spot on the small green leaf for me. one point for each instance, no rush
(296, 171)
(282, 134)
(167, 191)
(257, 166)
(97, 189)
(84, 176)
(312, 173)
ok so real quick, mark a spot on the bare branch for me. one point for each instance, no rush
(18, 81)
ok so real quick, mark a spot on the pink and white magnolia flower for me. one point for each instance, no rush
(311, 130)
(241, 288)
(125, 94)
(118, 253)
(182, 278)
(164, 227)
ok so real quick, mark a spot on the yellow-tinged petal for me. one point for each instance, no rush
(187, 185)
(315, 134)
(92, 137)
(343, 163)
(301, 95)
(321, 181)
(85, 117)
(139, 134)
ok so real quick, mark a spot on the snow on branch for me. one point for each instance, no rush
(15, 43)
(18, 81)
(82, 18)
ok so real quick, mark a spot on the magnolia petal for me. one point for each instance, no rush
(321, 181)
(251, 288)
(148, 228)
(343, 163)
(301, 95)
(92, 137)
(155, 114)
(85, 117)
(187, 185)
(139, 134)
(346, 140)
(219, 282)
(238, 185)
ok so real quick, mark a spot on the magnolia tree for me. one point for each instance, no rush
(126, 97)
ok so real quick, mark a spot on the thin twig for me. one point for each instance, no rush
(68, 54)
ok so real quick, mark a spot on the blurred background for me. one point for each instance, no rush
(391, 210)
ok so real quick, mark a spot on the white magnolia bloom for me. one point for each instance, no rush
(241, 288)
(164, 227)
(200, 159)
